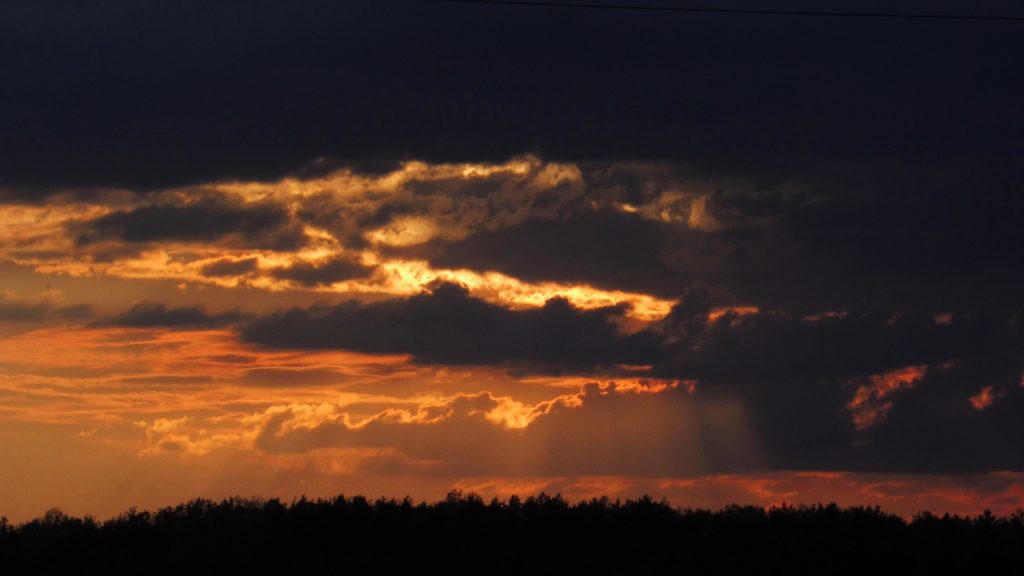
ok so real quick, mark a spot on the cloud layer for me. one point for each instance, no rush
(408, 240)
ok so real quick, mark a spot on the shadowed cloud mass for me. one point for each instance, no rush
(449, 326)
(157, 315)
(260, 226)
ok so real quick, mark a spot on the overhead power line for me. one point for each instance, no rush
(750, 11)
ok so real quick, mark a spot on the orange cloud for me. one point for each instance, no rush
(871, 402)
(336, 217)
(716, 313)
(601, 428)
(982, 399)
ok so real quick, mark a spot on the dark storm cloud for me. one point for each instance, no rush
(157, 315)
(157, 94)
(622, 251)
(797, 378)
(773, 251)
(734, 350)
(230, 267)
(906, 145)
(607, 249)
(323, 273)
(209, 220)
(449, 326)
(930, 428)
(794, 377)
(776, 346)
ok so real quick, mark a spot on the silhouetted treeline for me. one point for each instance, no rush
(539, 535)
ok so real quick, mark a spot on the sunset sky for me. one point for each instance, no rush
(398, 247)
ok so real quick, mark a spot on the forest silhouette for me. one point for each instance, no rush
(542, 534)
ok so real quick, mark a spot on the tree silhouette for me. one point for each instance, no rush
(540, 534)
